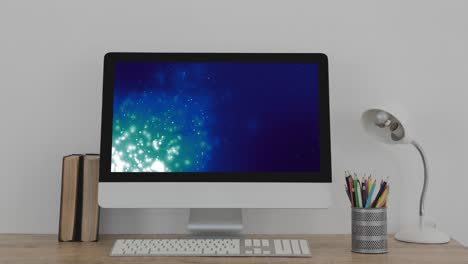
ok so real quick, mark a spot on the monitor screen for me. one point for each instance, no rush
(215, 117)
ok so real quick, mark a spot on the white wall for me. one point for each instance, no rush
(409, 52)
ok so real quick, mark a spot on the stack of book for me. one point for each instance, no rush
(79, 210)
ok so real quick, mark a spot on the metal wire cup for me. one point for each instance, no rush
(369, 230)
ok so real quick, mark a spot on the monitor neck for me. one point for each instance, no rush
(216, 221)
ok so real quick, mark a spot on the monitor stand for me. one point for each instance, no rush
(209, 221)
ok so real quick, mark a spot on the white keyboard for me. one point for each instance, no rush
(212, 247)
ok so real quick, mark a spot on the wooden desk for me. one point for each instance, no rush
(32, 249)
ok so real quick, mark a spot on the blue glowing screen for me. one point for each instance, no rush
(215, 117)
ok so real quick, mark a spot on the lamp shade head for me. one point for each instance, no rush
(384, 126)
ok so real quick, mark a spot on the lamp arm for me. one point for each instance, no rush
(426, 177)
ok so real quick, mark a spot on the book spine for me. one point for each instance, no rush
(79, 202)
(60, 235)
(69, 198)
(90, 209)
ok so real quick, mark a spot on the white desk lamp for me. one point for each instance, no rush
(385, 127)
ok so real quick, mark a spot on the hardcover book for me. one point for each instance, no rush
(70, 198)
(90, 209)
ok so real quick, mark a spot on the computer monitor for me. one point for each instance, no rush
(215, 130)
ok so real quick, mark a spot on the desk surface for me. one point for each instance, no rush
(31, 249)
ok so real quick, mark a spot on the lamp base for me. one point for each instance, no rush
(423, 234)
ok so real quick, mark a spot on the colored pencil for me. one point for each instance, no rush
(351, 190)
(365, 192)
(381, 190)
(369, 198)
(359, 193)
(383, 198)
(369, 187)
(347, 193)
(356, 195)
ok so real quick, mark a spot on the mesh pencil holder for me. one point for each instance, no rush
(369, 230)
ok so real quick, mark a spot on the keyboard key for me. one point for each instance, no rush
(256, 243)
(295, 247)
(236, 242)
(233, 251)
(304, 247)
(257, 251)
(278, 246)
(119, 245)
(142, 250)
(248, 243)
(286, 246)
(209, 251)
(265, 243)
